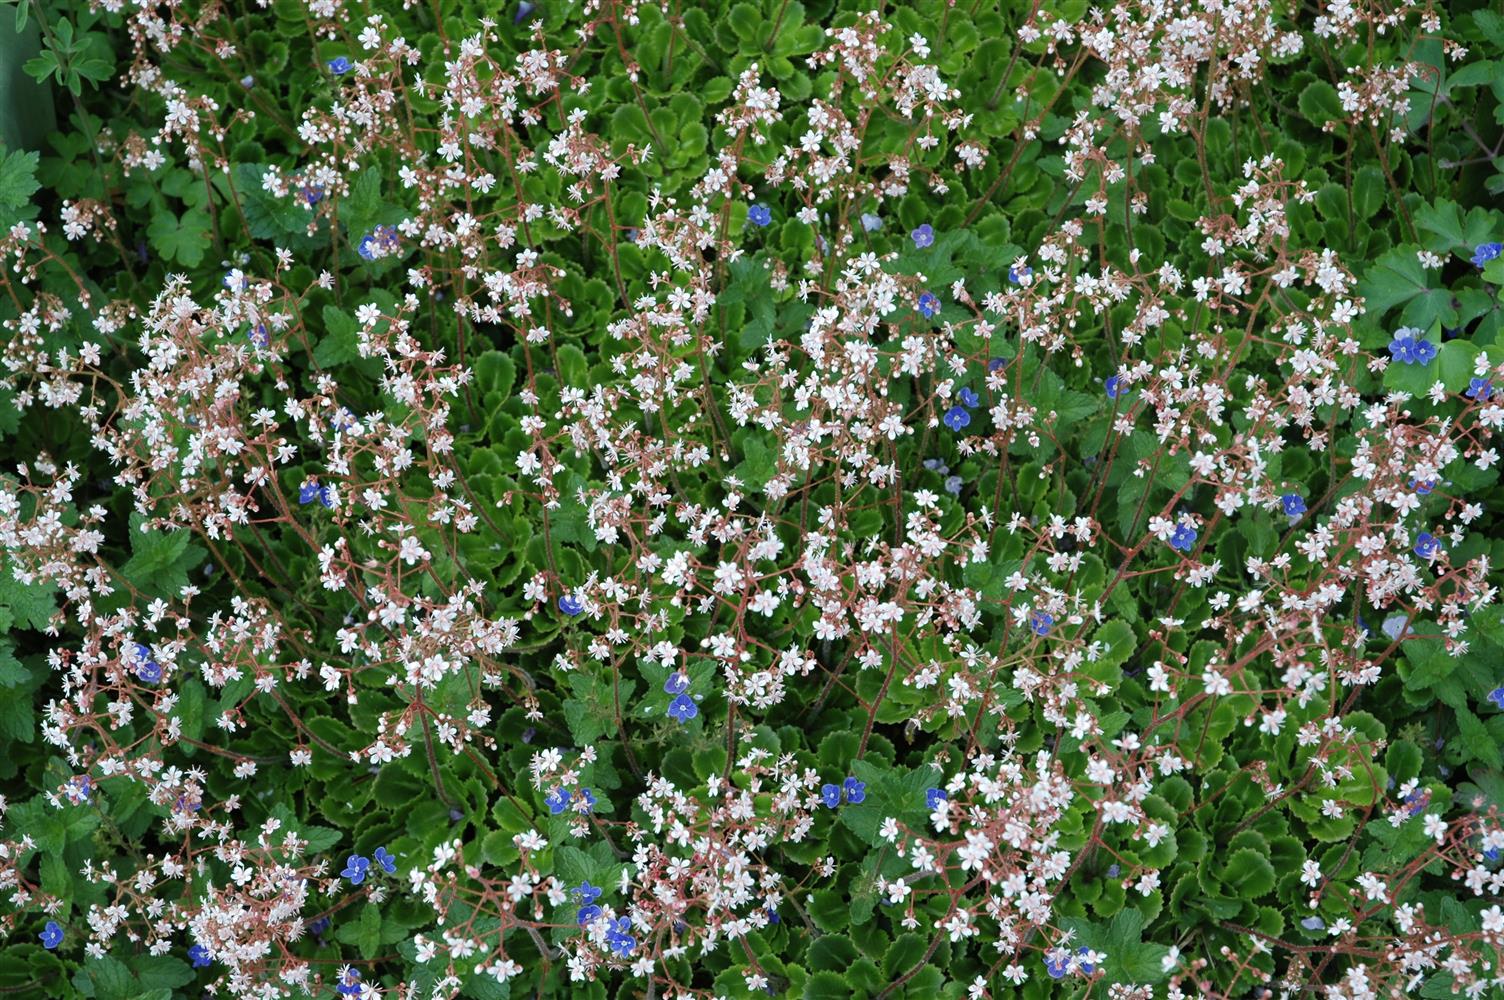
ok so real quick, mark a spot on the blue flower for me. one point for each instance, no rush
(523, 10)
(1086, 967)
(956, 418)
(356, 868)
(259, 336)
(52, 935)
(313, 194)
(83, 786)
(383, 238)
(588, 914)
(968, 398)
(1114, 386)
(928, 305)
(933, 797)
(320, 926)
(587, 893)
(1114, 870)
(558, 800)
(1417, 801)
(1479, 389)
(1293, 503)
(387, 862)
(1019, 274)
(200, 957)
(1492, 854)
(349, 983)
(619, 939)
(830, 795)
(677, 683)
(150, 671)
(923, 237)
(855, 790)
(311, 491)
(589, 798)
(773, 917)
(683, 708)
(759, 215)
(1497, 697)
(871, 223)
(1411, 350)
(1423, 488)
(572, 605)
(953, 485)
(1056, 966)
(1426, 545)
(1040, 622)
(338, 65)
(993, 364)
(1485, 252)
(1184, 538)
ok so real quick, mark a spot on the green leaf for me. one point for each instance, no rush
(1397, 279)
(1476, 739)
(11, 671)
(1248, 873)
(368, 934)
(18, 180)
(1451, 231)
(824, 985)
(1368, 192)
(1320, 104)
(341, 342)
(182, 239)
(29, 605)
(160, 560)
(495, 372)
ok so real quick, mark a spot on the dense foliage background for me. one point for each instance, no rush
(769, 498)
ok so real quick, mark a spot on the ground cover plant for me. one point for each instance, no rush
(587, 499)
